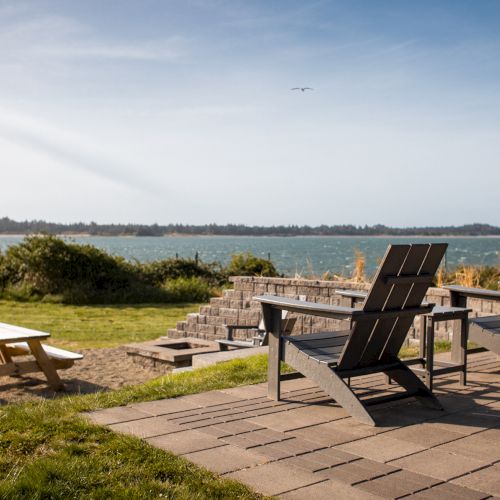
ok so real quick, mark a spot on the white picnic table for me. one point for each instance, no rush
(19, 341)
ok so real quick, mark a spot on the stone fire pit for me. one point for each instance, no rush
(169, 353)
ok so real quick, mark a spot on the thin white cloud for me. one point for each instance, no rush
(215, 110)
(156, 50)
(62, 37)
(73, 152)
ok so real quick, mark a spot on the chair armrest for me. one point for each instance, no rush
(336, 312)
(480, 293)
(361, 294)
(352, 298)
(355, 294)
(304, 307)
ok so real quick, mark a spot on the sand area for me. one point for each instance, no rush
(99, 370)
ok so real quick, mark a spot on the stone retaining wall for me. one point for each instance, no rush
(237, 307)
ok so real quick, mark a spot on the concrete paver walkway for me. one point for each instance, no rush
(307, 446)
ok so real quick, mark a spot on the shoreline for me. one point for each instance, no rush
(179, 235)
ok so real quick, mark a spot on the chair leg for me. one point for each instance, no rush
(223, 346)
(272, 321)
(345, 397)
(409, 381)
(429, 353)
(329, 382)
(459, 345)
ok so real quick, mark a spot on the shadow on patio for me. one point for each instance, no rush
(306, 445)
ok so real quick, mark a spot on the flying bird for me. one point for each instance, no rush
(302, 88)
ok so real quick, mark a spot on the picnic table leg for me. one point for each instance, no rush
(4, 354)
(45, 364)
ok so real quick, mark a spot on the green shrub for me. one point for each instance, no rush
(159, 271)
(3, 272)
(247, 264)
(50, 265)
(43, 266)
(193, 289)
(49, 269)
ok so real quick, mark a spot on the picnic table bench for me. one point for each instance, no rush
(19, 341)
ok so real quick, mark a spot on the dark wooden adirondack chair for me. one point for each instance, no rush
(372, 344)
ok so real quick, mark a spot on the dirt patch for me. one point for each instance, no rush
(99, 370)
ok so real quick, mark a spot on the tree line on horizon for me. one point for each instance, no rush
(9, 226)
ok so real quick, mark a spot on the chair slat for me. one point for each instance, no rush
(325, 347)
(323, 351)
(397, 300)
(391, 265)
(328, 357)
(378, 294)
(409, 279)
(326, 342)
(415, 297)
(307, 337)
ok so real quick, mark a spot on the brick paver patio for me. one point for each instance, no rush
(307, 446)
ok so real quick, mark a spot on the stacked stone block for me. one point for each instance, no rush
(237, 306)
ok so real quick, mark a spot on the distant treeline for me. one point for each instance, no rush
(9, 226)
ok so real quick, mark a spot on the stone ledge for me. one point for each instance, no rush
(169, 352)
(214, 358)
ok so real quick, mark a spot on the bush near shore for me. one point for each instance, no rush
(48, 268)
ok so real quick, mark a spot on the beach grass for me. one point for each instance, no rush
(48, 450)
(95, 326)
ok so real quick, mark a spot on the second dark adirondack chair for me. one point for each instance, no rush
(260, 339)
(485, 330)
(373, 342)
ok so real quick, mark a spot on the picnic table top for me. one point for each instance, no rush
(11, 333)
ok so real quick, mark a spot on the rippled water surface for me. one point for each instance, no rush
(303, 255)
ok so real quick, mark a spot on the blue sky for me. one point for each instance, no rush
(181, 111)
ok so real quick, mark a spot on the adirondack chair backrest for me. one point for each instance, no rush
(401, 283)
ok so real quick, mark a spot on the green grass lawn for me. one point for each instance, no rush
(95, 326)
(413, 352)
(47, 450)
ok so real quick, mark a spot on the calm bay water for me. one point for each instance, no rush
(302, 255)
